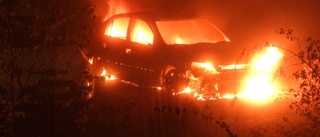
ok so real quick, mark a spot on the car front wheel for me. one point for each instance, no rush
(172, 81)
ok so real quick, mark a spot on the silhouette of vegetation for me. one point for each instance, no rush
(30, 33)
(38, 27)
(307, 95)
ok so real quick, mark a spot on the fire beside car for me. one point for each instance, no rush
(173, 52)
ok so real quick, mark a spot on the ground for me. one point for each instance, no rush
(120, 110)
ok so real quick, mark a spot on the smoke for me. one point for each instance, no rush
(251, 21)
(245, 21)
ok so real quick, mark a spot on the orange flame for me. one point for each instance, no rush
(186, 90)
(118, 29)
(108, 77)
(179, 40)
(90, 60)
(259, 86)
(115, 7)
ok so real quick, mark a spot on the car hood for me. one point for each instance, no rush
(221, 53)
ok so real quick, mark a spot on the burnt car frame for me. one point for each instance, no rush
(168, 51)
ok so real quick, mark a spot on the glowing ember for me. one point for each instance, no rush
(239, 66)
(195, 94)
(208, 66)
(179, 40)
(108, 77)
(159, 88)
(187, 90)
(200, 97)
(229, 96)
(90, 60)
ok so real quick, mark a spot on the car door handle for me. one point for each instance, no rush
(128, 51)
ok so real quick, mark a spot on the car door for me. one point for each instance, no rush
(113, 56)
(141, 51)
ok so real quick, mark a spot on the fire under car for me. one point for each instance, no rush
(169, 52)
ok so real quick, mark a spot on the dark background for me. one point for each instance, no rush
(246, 22)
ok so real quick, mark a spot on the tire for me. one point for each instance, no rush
(171, 80)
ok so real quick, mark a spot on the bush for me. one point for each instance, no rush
(35, 25)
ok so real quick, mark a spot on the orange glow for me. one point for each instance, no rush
(108, 77)
(229, 96)
(144, 36)
(104, 72)
(259, 88)
(118, 28)
(117, 33)
(259, 85)
(90, 60)
(202, 65)
(115, 7)
(200, 97)
(186, 90)
(266, 63)
(208, 66)
(142, 33)
(159, 88)
(239, 66)
(179, 40)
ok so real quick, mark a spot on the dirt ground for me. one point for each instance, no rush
(119, 110)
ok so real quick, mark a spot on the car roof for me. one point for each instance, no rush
(157, 16)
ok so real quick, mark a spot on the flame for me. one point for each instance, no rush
(115, 7)
(90, 60)
(179, 40)
(195, 94)
(207, 66)
(159, 88)
(267, 62)
(141, 32)
(200, 97)
(229, 96)
(238, 66)
(118, 29)
(186, 90)
(143, 35)
(108, 77)
(259, 86)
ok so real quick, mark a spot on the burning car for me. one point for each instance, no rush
(171, 52)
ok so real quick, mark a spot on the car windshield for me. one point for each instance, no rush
(190, 31)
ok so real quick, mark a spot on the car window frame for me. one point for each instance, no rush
(111, 21)
(131, 29)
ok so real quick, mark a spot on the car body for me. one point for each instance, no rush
(168, 51)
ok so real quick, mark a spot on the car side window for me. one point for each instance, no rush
(118, 28)
(142, 33)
